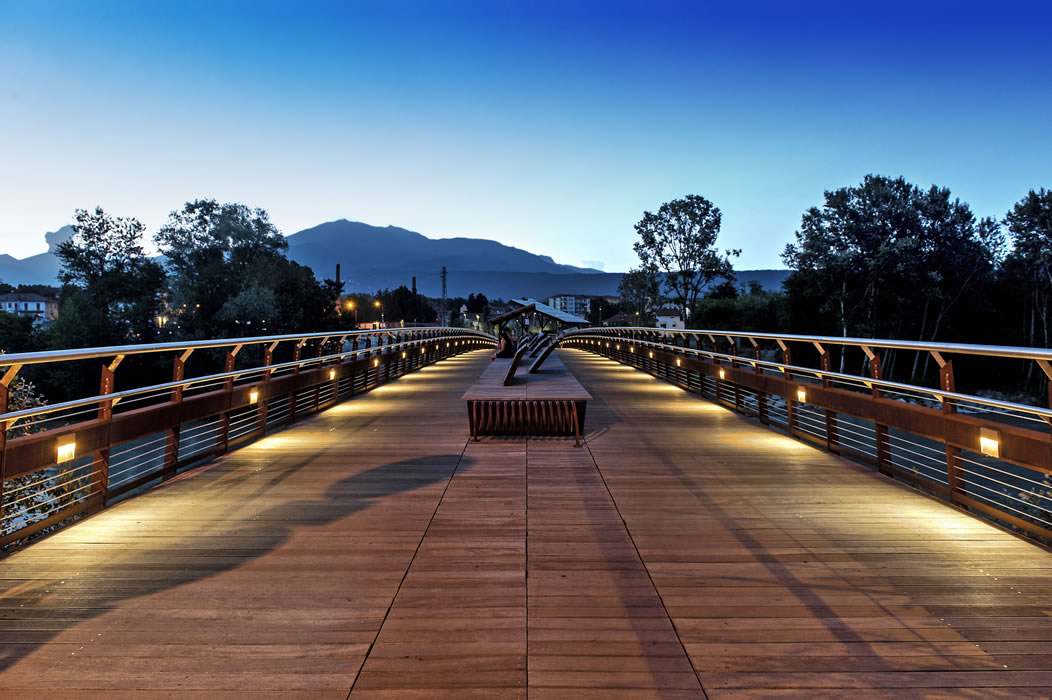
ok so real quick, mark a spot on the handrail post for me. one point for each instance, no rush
(100, 467)
(880, 430)
(261, 412)
(4, 393)
(354, 349)
(790, 404)
(228, 386)
(954, 474)
(738, 404)
(761, 396)
(297, 354)
(171, 440)
(832, 436)
(317, 387)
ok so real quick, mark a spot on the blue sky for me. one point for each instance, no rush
(550, 126)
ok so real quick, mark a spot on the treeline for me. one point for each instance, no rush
(883, 259)
(224, 273)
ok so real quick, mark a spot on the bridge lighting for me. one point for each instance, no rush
(376, 362)
(618, 347)
(253, 396)
(801, 395)
(631, 349)
(403, 355)
(723, 375)
(677, 363)
(652, 355)
(67, 452)
(990, 442)
(332, 374)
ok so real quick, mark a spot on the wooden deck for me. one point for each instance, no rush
(374, 550)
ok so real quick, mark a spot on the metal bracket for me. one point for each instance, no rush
(1046, 367)
(869, 351)
(236, 350)
(938, 358)
(10, 374)
(186, 354)
(781, 344)
(818, 346)
(116, 363)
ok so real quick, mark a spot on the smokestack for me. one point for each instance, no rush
(338, 274)
(414, 285)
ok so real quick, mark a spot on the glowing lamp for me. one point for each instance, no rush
(253, 396)
(990, 442)
(403, 355)
(423, 350)
(651, 355)
(631, 349)
(376, 362)
(801, 395)
(723, 375)
(67, 452)
(618, 347)
(332, 374)
(677, 363)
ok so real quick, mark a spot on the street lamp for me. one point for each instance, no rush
(380, 305)
(352, 307)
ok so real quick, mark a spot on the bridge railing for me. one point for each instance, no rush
(61, 460)
(990, 456)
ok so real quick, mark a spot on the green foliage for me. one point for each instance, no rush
(111, 289)
(17, 333)
(229, 275)
(887, 259)
(1029, 266)
(680, 240)
(639, 290)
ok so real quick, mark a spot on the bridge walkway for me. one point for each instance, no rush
(374, 550)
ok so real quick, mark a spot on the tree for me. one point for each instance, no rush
(680, 240)
(230, 277)
(640, 291)
(887, 259)
(111, 289)
(1030, 224)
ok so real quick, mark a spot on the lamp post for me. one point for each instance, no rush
(352, 307)
(380, 305)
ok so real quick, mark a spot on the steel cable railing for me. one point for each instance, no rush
(60, 460)
(989, 455)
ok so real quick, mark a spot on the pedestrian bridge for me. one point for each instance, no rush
(373, 549)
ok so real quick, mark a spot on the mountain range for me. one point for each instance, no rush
(375, 257)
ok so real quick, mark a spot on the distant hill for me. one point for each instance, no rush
(376, 257)
(36, 269)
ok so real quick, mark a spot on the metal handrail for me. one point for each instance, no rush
(1022, 353)
(939, 394)
(31, 358)
(11, 418)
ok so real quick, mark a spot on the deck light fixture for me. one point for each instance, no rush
(253, 396)
(67, 452)
(376, 362)
(677, 363)
(332, 374)
(403, 355)
(990, 442)
(723, 375)
(801, 395)
(651, 355)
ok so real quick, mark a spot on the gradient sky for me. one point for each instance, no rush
(550, 126)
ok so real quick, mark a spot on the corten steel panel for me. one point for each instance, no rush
(32, 452)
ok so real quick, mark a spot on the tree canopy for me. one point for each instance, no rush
(680, 241)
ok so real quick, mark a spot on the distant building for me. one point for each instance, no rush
(669, 317)
(576, 304)
(28, 304)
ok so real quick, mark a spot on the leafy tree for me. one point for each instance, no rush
(230, 277)
(16, 333)
(680, 240)
(1030, 262)
(111, 289)
(477, 303)
(640, 291)
(887, 259)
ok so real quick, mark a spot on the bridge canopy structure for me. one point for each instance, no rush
(366, 546)
(525, 309)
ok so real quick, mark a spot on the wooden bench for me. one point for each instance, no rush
(543, 403)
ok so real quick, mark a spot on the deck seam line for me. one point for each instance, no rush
(642, 562)
(405, 574)
(526, 563)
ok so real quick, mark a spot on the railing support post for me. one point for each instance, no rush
(832, 435)
(880, 431)
(223, 441)
(954, 475)
(171, 440)
(100, 466)
(297, 354)
(761, 396)
(4, 393)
